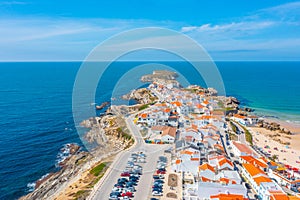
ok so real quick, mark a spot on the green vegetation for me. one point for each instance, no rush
(95, 181)
(274, 158)
(192, 90)
(127, 136)
(98, 169)
(229, 108)
(124, 135)
(233, 127)
(81, 194)
(248, 135)
(143, 107)
(233, 136)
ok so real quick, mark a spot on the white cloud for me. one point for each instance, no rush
(232, 27)
(283, 8)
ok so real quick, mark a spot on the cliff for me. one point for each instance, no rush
(108, 134)
(142, 96)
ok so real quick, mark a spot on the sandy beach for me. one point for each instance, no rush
(287, 147)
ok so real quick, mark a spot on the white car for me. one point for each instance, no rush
(115, 189)
(156, 193)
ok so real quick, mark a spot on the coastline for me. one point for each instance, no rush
(259, 133)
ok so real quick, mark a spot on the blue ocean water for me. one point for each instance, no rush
(36, 108)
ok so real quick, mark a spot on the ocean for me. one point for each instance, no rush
(36, 108)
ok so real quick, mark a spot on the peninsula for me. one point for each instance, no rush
(179, 143)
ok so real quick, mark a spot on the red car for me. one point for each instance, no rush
(125, 174)
(128, 194)
(160, 172)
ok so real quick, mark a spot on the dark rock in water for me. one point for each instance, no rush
(102, 105)
(248, 109)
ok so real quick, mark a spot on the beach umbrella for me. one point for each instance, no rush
(295, 169)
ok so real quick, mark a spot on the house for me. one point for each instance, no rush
(215, 189)
(157, 129)
(213, 160)
(243, 120)
(254, 175)
(211, 140)
(256, 162)
(173, 120)
(285, 179)
(207, 171)
(240, 149)
(253, 120)
(169, 134)
(227, 196)
(191, 134)
(271, 191)
(187, 163)
(225, 164)
(232, 176)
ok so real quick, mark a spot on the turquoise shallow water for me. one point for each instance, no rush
(36, 108)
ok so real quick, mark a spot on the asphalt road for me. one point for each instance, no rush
(143, 188)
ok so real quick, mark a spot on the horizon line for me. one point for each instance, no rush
(23, 61)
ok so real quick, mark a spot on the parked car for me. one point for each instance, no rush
(159, 181)
(156, 193)
(160, 172)
(125, 174)
(115, 194)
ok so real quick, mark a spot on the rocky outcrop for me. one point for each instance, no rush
(273, 126)
(52, 183)
(107, 133)
(159, 75)
(232, 102)
(246, 109)
(142, 96)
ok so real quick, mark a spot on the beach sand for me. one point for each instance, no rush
(263, 137)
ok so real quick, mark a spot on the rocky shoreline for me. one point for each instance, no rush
(109, 134)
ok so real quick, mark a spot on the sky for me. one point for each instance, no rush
(40, 30)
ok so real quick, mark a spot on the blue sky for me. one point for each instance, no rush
(228, 30)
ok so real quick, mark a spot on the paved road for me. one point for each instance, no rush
(240, 134)
(152, 152)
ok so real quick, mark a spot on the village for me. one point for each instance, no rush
(212, 155)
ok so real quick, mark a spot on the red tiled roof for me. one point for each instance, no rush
(206, 166)
(228, 197)
(243, 148)
(261, 179)
(144, 115)
(177, 103)
(224, 161)
(278, 196)
(254, 161)
(239, 116)
(178, 161)
(171, 131)
(252, 170)
(186, 152)
(158, 128)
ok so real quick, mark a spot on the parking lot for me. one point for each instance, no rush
(125, 187)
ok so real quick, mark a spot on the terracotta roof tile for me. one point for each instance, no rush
(252, 170)
(243, 148)
(206, 166)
